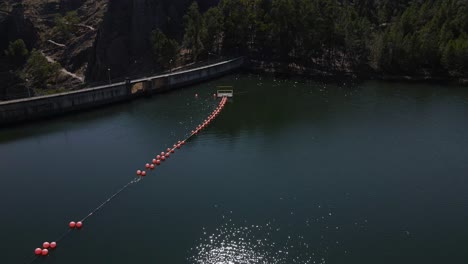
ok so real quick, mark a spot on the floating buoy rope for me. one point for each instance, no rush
(47, 247)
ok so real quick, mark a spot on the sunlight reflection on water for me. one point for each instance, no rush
(247, 244)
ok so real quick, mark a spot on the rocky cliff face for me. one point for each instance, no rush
(15, 25)
(110, 35)
(33, 21)
(123, 41)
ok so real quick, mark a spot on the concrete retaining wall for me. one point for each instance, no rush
(44, 106)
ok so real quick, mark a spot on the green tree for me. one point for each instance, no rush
(17, 52)
(195, 31)
(263, 40)
(376, 51)
(214, 28)
(66, 25)
(39, 70)
(165, 50)
(353, 35)
(455, 55)
(237, 15)
(284, 32)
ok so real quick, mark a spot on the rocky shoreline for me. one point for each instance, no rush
(291, 70)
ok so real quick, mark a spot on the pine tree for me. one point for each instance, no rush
(214, 28)
(195, 31)
(165, 50)
(17, 52)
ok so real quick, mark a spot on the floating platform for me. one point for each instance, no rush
(225, 91)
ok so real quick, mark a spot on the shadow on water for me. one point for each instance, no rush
(260, 104)
(59, 123)
(267, 104)
(135, 113)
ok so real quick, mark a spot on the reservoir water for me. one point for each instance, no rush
(292, 171)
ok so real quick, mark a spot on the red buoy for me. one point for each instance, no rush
(79, 224)
(138, 172)
(163, 158)
(143, 173)
(53, 244)
(158, 156)
(172, 150)
(178, 146)
(162, 154)
(152, 166)
(38, 251)
(72, 224)
(167, 155)
(45, 252)
(158, 162)
(183, 142)
(147, 165)
(168, 149)
(45, 245)
(153, 161)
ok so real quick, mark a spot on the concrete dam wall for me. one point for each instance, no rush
(45, 106)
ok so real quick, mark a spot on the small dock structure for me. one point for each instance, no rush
(225, 91)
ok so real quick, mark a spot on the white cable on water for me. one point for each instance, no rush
(223, 100)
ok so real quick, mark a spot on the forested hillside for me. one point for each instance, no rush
(424, 38)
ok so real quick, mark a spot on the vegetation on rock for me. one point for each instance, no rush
(66, 25)
(165, 50)
(195, 31)
(17, 52)
(39, 71)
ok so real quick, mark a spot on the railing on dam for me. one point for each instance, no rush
(44, 106)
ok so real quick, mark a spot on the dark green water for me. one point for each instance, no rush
(290, 172)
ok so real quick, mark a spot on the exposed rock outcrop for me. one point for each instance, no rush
(110, 34)
(123, 42)
(15, 25)
(33, 21)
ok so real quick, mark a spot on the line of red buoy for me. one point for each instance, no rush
(157, 161)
